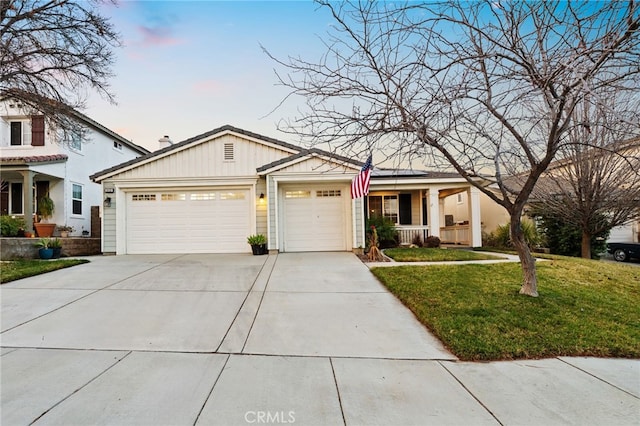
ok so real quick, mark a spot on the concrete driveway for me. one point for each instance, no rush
(238, 339)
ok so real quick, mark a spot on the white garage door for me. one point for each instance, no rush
(315, 219)
(205, 221)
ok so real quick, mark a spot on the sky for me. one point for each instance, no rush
(188, 67)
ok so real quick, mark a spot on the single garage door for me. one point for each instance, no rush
(315, 219)
(203, 221)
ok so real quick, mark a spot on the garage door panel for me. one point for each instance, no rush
(205, 221)
(315, 219)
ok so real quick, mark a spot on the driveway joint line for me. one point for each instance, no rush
(80, 388)
(335, 381)
(204, 404)
(244, 301)
(264, 291)
(598, 378)
(471, 393)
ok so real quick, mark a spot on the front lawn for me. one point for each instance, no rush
(17, 269)
(424, 254)
(585, 308)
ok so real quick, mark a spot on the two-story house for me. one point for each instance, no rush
(34, 162)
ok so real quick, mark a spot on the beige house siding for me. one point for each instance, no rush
(206, 159)
(261, 207)
(109, 221)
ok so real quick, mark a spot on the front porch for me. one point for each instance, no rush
(423, 206)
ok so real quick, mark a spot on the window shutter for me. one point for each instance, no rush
(37, 130)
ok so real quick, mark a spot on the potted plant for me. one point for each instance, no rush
(64, 230)
(45, 251)
(56, 245)
(258, 244)
(46, 207)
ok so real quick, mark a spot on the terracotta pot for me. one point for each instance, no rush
(44, 230)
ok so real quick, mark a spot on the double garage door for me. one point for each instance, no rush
(203, 221)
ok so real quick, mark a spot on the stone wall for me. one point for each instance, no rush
(24, 248)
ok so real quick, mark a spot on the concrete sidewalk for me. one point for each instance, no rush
(289, 339)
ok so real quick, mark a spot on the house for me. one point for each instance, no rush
(560, 178)
(208, 193)
(34, 162)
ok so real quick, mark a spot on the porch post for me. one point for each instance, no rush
(434, 212)
(27, 199)
(474, 214)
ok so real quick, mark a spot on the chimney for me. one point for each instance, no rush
(165, 141)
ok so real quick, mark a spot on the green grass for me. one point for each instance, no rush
(435, 255)
(585, 308)
(17, 269)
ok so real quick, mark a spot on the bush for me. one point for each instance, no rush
(417, 240)
(501, 238)
(566, 238)
(386, 229)
(9, 226)
(432, 242)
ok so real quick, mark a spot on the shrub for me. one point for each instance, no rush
(432, 242)
(386, 229)
(9, 226)
(257, 239)
(566, 238)
(417, 240)
(501, 238)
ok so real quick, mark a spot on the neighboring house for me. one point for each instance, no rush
(208, 193)
(33, 163)
(494, 215)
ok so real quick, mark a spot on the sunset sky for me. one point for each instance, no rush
(190, 66)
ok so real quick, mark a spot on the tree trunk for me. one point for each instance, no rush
(586, 245)
(527, 261)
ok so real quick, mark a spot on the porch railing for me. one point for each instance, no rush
(406, 233)
(456, 234)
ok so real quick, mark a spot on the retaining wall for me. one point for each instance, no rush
(24, 248)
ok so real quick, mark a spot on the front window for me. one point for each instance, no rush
(76, 199)
(16, 198)
(75, 143)
(20, 133)
(384, 206)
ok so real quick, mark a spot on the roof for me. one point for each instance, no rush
(305, 153)
(69, 111)
(33, 159)
(380, 174)
(179, 145)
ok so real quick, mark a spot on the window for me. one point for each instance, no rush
(385, 206)
(143, 197)
(203, 196)
(75, 143)
(173, 197)
(297, 194)
(228, 152)
(232, 195)
(20, 133)
(76, 199)
(16, 198)
(117, 145)
(328, 193)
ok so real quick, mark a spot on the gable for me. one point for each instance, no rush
(228, 154)
(317, 165)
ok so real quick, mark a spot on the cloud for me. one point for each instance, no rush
(157, 36)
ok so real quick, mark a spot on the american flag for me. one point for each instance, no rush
(360, 183)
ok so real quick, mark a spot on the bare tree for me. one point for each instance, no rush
(486, 87)
(51, 52)
(595, 186)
